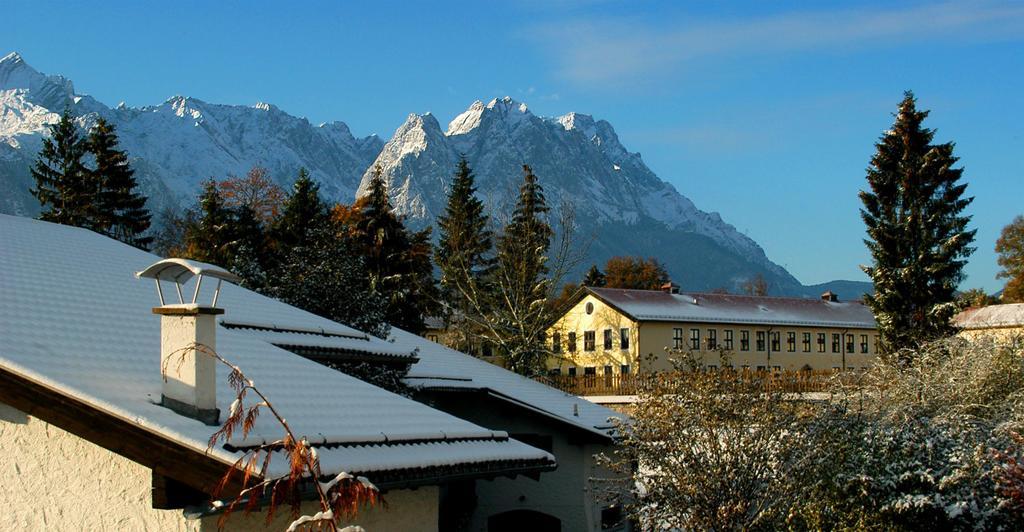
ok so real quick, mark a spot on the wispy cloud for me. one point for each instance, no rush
(603, 50)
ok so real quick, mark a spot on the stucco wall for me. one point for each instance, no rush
(649, 339)
(53, 480)
(656, 336)
(566, 493)
(406, 511)
(996, 334)
(600, 319)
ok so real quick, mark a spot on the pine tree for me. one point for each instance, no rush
(463, 252)
(917, 234)
(397, 262)
(594, 277)
(328, 277)
(304, 214)
(522, 250)
(120, 211)
(63, 184)
(521, 287)
(210, 236)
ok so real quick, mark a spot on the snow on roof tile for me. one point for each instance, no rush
(75, 318)
(992, 316)
(655, 305)
(440, 367)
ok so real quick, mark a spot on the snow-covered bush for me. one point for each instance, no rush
(929, 445)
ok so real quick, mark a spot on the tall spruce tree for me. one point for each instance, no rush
(210, 237)
(917, 233)
(397, 262)
(594, 277)
(521, 286)
(120, 211)
(64, 186)
(464, 250)
(304, 215)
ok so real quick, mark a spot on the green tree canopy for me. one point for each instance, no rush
(594, 277)
(304, 214)
(917, 232)
(63, 185)
(464, 250)
(397, 261)
(120, 210)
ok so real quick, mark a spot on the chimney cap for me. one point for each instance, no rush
(830, 296)
(181, 270)
(670, 287)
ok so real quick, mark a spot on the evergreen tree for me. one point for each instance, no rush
(63, 184)
(303, 215)
(120, 211)
(328, 277)
(522, 249)
(463, 252)
(210, 236)
(521, 287)
(594, 277)
(917, 234)
(397, 262)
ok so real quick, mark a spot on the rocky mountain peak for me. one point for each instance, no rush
(54, 92)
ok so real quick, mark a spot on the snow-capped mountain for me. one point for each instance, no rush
(622, 207)
(578, 160)
(177, 144)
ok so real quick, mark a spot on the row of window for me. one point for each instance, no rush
(762, 338)
(590, 340)
(591, 370)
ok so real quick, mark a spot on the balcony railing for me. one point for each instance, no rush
(773, 381)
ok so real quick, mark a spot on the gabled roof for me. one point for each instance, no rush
(442, 368)
(991, 317)
(656, 305)
(75, 320)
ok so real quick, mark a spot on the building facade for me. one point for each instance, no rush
(995, 322)
(612, 332)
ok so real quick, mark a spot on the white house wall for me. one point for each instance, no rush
(51, 479)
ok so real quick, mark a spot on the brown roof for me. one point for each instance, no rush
(655, 305)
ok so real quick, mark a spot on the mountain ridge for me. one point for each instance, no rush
(178, 143)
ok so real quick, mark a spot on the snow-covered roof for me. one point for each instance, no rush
(656, 305)
(74, 319)
(442, 368)
(992, 316)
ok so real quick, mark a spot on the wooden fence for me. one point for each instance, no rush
(773, 381)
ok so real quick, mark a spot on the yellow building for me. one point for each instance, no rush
(610, 331)
(999, 322)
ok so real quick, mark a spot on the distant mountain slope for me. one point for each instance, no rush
(177, 144)
(622, 207)
(581, 161)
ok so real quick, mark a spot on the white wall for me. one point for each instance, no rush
(53, 480)
(406, 511)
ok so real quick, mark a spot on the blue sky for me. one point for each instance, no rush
(763, 111)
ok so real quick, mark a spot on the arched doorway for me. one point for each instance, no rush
(519, 520)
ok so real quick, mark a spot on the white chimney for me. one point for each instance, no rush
(188, 334)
